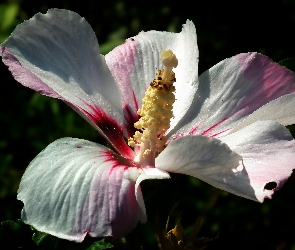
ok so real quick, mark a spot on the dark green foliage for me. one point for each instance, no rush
(46, 241)
(29, 121)
(17, 235)
(288, 63)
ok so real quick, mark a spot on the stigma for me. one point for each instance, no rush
(156, 112)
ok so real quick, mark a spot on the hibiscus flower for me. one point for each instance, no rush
(227, 127)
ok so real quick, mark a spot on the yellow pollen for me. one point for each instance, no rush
(156, 111)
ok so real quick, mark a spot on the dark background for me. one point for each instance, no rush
(29, 121)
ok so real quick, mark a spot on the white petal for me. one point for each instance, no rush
(57, 54)
(207, 159)
(76, 187)
(268, 152)
(232, 90)
(134, 65)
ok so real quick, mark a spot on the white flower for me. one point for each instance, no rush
(228, 126)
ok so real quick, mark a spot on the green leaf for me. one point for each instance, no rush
(44, 240)
(10, 225)
(8, 13)
(8, 19)
(15, 234)
(100, 245)
(49, 242)
(289, 63)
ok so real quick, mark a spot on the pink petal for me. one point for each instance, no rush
(281, 110)
(134, 65)
(268, 152)
(57, 55)
(232, 90)
(76, 187)
(26, 77)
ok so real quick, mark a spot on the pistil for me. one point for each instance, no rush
(156, 112)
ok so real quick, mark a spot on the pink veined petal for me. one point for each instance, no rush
(57, 55)
(135, 63)
(207, 159)
(76, 187)
(232, 90)
(268, 152)
(26, 77)
(281, 110)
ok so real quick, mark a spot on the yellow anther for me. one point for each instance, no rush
(169, 59)
(156, 111)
